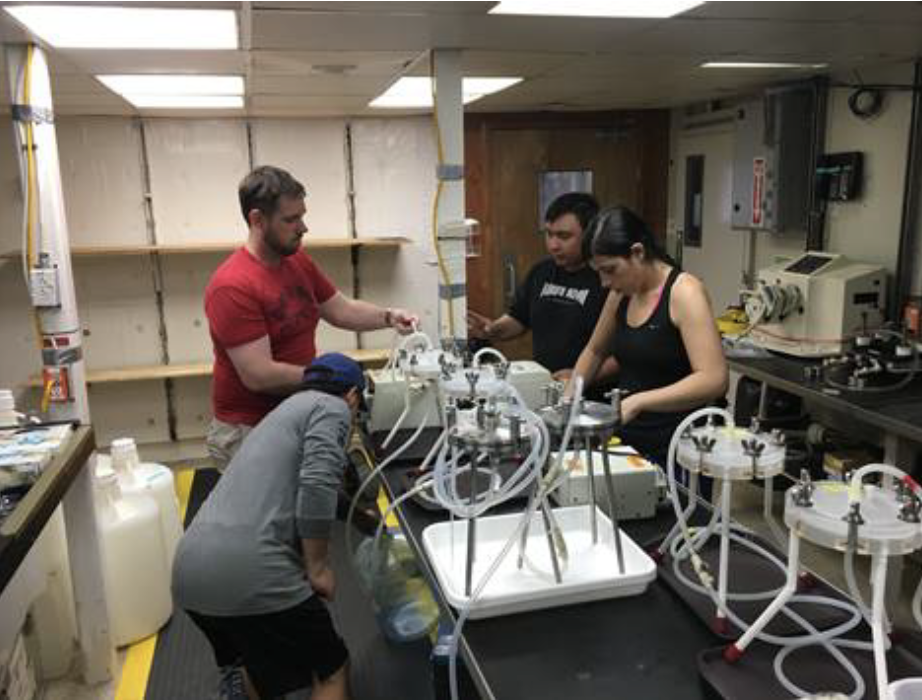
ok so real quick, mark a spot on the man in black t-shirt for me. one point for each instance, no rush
(561, 298)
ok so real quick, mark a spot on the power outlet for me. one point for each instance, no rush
(44, 287)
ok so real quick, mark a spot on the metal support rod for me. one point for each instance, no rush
(550, 540)
(610, 487)
(471, 528)
(590, 471)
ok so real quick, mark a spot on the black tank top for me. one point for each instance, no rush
(650, 356)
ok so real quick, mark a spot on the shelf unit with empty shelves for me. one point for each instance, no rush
(167, 371)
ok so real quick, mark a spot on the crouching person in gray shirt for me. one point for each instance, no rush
(253, 569)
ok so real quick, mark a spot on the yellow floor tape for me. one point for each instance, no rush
(383, 504)
(132, 684)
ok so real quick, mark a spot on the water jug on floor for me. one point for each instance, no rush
(149, 479)
(135, 568)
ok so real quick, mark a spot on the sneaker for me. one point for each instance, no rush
(231, 685)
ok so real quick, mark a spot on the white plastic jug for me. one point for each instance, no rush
(136, 572)
(149, 479)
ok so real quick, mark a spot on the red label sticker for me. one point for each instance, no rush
(758, 188)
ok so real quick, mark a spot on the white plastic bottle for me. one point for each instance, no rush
(136, 572)
(149, 479)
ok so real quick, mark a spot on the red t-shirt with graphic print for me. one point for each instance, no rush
(246, 300)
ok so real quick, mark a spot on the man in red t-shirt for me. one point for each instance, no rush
(263, 306)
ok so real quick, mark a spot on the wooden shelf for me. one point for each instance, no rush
(367, 356)
(221, 247)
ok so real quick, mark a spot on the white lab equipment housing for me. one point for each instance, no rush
(395, 389)
(812, 305)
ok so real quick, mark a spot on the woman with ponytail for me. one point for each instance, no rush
(658, 325)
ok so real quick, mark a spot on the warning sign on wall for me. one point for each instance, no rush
(758, 190)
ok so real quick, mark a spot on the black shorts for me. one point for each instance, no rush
(281, 651)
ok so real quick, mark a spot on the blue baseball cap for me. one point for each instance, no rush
(336, 368)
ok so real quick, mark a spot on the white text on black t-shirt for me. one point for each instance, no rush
(556, 290)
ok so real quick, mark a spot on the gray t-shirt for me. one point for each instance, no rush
(242, 553)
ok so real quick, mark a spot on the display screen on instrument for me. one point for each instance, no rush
(808, 264)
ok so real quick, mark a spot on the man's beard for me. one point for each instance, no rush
(279, 248)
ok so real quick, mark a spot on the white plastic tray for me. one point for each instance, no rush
(591, 573)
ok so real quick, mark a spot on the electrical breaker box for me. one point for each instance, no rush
(44, 287)
(772, 172)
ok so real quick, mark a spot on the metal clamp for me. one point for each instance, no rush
(910, 510)
(802, 494)
(616, 395)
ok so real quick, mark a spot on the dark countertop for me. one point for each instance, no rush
(20, 530)
(638, 647)
(897, 412)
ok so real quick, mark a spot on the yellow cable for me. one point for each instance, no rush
(443, 268)
(46, 395)
(31, 191)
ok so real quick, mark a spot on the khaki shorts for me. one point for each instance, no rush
(223, 441)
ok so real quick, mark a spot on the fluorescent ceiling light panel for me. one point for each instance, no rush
(758, 64)
(595, 8)
(186, 101)
(417, 92)
(173, 84)
(97, 27)
(178, 91)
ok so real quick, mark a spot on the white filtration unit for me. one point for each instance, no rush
(811, 307)
(392, 389)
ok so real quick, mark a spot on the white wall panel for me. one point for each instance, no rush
(184, 280)
(21, 356)
(719, 261)
(192, 402)
(195, 167)
(313, 151)
(868, 229)
(394, 176)
(129, 409)
(338, 267)
(394, 191)
(10, 190)
(117, 311)
(102, 180)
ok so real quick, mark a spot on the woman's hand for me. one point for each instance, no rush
(631, 407)
(562, 375)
